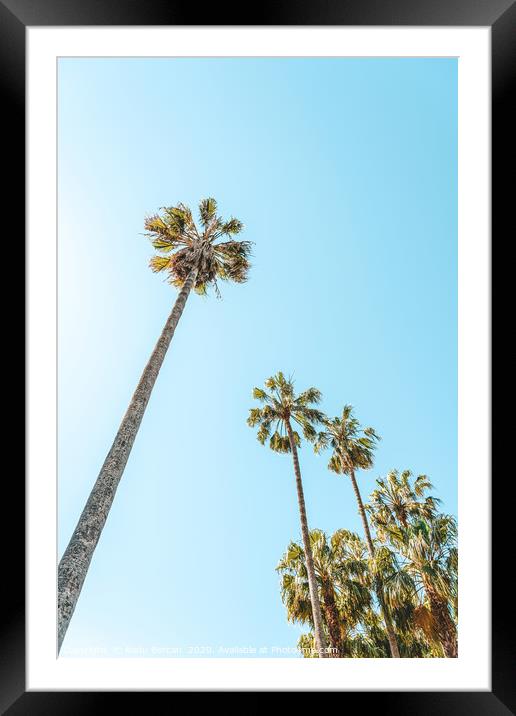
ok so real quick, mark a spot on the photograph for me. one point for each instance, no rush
(260, 375)
(257, 357)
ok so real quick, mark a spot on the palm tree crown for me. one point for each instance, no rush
(341, 569)
(396, 500)
(352, 447)
(280, 406)
(185, 248)
(423, 580)
(431, 550)
(341, 573)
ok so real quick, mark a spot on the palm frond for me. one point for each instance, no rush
(231, 227)
(159, 263)
(207, 211)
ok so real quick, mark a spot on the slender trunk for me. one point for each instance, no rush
(362, 513)
(75, 561)
(333, 622)
(445, 626)
(391, 636)
(320, 640)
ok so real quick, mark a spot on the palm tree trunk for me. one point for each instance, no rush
(445, 627)
(75, 561)
(391, 636)
(333, 622)
(320, 640)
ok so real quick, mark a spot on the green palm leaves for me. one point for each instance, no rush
(279, 406)
(427, 544)
(344, 580)
(352, 447)
(210, 250)
(396, 500)
(342, 591)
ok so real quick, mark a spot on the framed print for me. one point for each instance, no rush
(258, 367)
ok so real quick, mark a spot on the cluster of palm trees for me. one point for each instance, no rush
(392, 595)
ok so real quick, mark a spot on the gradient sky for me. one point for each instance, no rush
(344, 172)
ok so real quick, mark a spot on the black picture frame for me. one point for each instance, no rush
(500, 16)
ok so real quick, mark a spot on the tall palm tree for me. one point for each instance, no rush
(281, 408)
(343, 598)
(352, 449)
(193, 258)
(427, 541)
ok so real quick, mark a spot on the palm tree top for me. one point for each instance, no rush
(429, 555)
(352, 445)
(280, 407)
(184, 246)
(399, 497)
(340, 566)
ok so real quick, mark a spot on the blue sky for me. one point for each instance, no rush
(344, 172)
